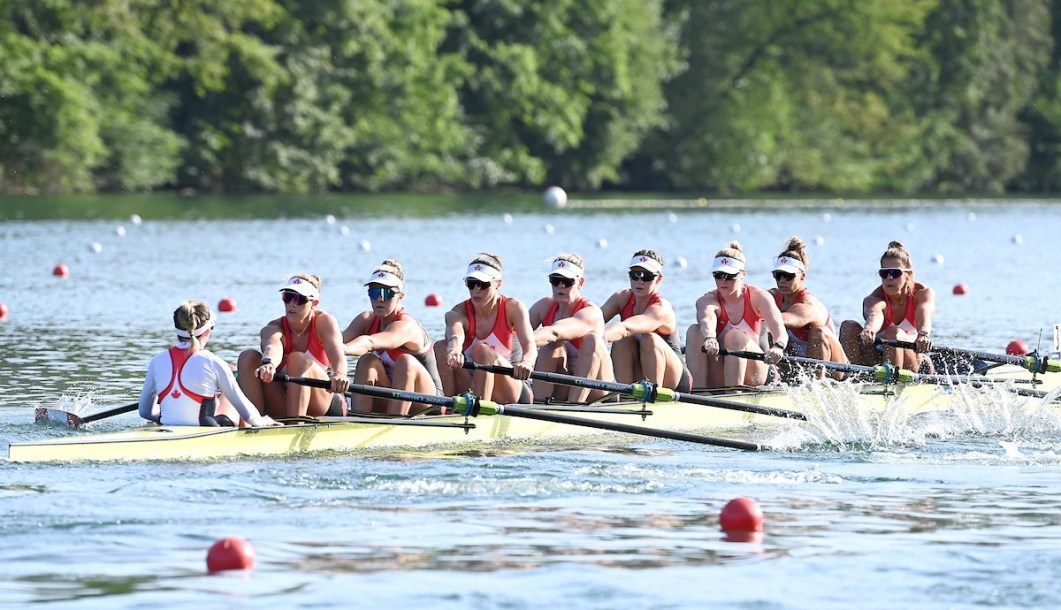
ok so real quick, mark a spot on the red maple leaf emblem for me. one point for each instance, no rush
(176, 394)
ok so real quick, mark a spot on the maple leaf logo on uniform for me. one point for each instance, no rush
(176, 394)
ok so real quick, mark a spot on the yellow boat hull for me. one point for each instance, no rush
(819, 402)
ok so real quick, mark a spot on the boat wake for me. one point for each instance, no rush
(852, 416)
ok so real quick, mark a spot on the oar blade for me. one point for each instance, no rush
(59, 416)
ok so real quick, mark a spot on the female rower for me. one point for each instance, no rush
(645, 339)
(304, 342)
(811, 332)
(188, 385)
(732, 316)
(392, 347)
(488, 328)
(569, 333)
(901, 308)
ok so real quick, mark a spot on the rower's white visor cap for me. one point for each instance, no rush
(788, 265)
(301, 286)
(647, 263)
(566, 269)
(727, 264)
(482, 272)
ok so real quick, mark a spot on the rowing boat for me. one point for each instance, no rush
(828, 408)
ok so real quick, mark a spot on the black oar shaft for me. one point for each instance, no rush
(110, 413)
(629, 429)
(637, 391)
(377, 391)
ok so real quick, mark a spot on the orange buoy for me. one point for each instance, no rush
(433, 300)
(231, 553)
(3, 311)
(1017, 348)
(227, 304)
(741, 515)
(60, 270)
(960, 289)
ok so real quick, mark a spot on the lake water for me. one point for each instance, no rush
(940, 514)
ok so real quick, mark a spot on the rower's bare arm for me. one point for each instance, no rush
(398, 333)
(456, 322)
(765, 306)
(517, 315)
(925, 309)
(873, 311)
(805, 313)
(586, 321)
(272, 344)
(332, 338)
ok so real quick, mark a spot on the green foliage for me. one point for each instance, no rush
(304, 96)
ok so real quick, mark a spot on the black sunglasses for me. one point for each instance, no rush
(784, 276)
(289, 296)
(379, 292)
(722, 275)
(473, 283)
(642, 276)
(561, 281)
(891, 272)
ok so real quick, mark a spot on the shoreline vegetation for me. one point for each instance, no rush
(944, 97)
(169, 206)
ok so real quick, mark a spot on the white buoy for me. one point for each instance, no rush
(96, 247)
(329, 219)
(819, 240)
(555, 197)
(971, 216)
(550, 229)
(135, 219)
(682, 262)
(909, 226)
(602, 243)
(119, 231)
(344, 230)
(938, 259)
(365, 245)
(507, 218)
(1018, 239)
(827, 217)
(672, 217)
(735, 227)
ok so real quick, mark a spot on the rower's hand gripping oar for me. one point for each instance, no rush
(644, 391)
(470, 406)
(1034, 362)
(72, 419)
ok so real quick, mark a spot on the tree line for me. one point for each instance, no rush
(718, 96)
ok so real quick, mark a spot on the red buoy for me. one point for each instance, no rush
(960, 289)
(60, 270)
(1017, 348)
(227, 304)
(433, 300)
(741, 515)
(231, 553)
(3, 311)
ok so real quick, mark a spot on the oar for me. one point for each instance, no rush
(471, 406)
(884, 373)
(643, 391)
(72, 419)
(1034, 362)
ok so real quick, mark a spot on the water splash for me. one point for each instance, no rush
(865, 416)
